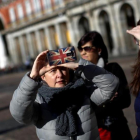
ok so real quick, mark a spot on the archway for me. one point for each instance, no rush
(127, 20)
(106, 30)
(83, 26)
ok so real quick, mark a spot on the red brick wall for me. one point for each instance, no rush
(5, 16)
(4, 11)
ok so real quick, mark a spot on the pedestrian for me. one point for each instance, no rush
(112, 124)
(135, 84)
(59, 105)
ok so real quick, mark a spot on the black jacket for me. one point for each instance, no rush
(110, 115)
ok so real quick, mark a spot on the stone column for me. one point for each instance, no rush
(39, 46)
(76, 28)
(3, 57)
(72, 37)
(71, 31)
(74, 32)
(118, 23)
(30, 45)
(136, 9)
(22, 48)
(59, 34)
(114, 30)
(90, 18)
(47, 35)
(96, 20)
(12, 50)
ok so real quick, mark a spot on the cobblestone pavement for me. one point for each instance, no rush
(11, 130)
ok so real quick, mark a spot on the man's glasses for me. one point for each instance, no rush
(137, 41)
(86, 49)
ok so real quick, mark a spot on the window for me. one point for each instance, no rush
(12, 14)
(47, 4)
(37, 5)
(4, 0)
(28, 7)
(56, 2)
(61, 1)
(20, 11)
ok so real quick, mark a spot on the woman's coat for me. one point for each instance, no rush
(28, 107)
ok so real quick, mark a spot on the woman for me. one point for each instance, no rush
(135, 84)
(111, 121)
(59, 107)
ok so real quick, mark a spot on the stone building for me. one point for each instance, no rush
(28, 27)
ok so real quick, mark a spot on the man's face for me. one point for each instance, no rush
(57, 77)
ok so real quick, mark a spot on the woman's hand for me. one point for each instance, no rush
(40, 66)
(116, 94)
(135, 32)
(70, 65)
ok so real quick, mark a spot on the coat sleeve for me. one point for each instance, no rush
(123, 99)
(107, 83)
(23, 107)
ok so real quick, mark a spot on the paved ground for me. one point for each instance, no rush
(11, 130)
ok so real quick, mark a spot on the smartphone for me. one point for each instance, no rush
(62, 55)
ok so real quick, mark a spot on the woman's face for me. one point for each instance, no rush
(57, 77)
(91, 55)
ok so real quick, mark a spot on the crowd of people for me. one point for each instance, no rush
(79, 101)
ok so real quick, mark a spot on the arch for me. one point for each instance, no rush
(127, 21)
(106, 29)
(83, 25)
(128, 13)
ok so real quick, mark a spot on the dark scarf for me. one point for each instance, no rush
(65, 102)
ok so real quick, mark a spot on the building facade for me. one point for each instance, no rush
(28, 27)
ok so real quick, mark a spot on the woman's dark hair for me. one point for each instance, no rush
(97, 41)
(135, 84)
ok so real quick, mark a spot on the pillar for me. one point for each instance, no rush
(30, 45)
(47, 35)
(59, 35)
(23, 53)
(39, 46)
